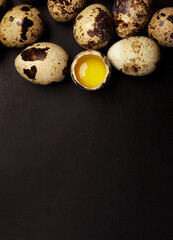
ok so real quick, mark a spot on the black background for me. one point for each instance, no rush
(86, 165)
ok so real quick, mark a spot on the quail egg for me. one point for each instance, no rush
(42, 63)
(90, 70)
(130, 16)
(63, 11)
(20, 26)
(136, 56)
(160, 27)
(93, 27)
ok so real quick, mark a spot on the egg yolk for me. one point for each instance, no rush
(90, 70)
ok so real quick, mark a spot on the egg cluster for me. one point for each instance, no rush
(93, 28)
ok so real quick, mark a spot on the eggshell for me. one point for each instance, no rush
(93, 27)
(105, 61)
(160, 27)
(42, 63)
(20, 26)
(136, 56)
(130, 16)
(65, 10)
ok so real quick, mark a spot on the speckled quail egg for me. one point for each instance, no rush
(136, 56)
(65, 10)
(130, 16)
(90, 70)
(20, 26)
(93, 27)
(42, 63)
(160, 27)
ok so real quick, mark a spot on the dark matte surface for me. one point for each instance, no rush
(86, 165)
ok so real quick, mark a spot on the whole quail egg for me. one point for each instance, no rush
(90, 70)
(65, 10)
(136, 56)
(20, 26)
(130, 16)
(42, 63)
(93, 27)
(160, 27)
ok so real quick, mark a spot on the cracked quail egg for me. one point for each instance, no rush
(90, 70)
(130, 16)
(136, 56)
(20, 26)
(65, 10)
(93, 27)
(160, 27)
(42, 63)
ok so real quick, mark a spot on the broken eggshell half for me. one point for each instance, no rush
(90, 70)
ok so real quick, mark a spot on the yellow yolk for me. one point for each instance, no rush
(90, 70)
